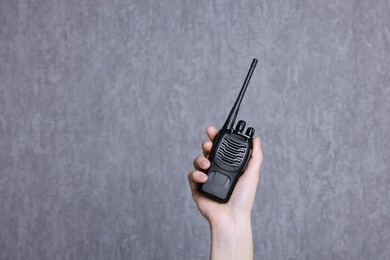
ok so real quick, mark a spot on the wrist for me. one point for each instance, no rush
(232, 239)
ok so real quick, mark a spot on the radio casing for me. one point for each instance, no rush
(229, 157)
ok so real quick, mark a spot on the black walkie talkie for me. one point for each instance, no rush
(230, 152)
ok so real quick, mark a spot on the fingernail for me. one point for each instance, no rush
(202, 176)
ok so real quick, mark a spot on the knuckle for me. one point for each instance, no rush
(191, 175)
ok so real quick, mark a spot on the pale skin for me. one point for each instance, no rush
(230, 223)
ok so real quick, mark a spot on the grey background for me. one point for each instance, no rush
(103, 106)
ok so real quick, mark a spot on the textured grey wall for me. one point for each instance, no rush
(103, 106)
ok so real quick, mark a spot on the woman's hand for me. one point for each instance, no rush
(230, 222)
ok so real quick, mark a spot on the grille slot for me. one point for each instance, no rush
(231, 152)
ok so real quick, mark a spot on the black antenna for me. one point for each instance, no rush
(233, 113)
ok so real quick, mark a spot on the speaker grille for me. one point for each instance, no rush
(231, 152)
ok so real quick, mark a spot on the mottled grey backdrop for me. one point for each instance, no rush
(103, 106)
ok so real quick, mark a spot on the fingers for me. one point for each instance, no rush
(194, 178)
(201, 163)
(206, 148)
(211, 132)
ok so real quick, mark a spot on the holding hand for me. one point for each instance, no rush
(230, 222)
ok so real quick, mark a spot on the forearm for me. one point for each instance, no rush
(232, 241)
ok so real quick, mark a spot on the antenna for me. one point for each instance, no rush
(233, 113)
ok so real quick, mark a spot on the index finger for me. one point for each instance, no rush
(211, 132)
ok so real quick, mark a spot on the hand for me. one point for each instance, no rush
(241, 201)
(231, 219)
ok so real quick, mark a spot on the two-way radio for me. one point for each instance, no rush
(230, 153)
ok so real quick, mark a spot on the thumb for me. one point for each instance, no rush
(253, 169)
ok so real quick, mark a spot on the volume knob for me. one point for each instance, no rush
(250, 132)
(240, 126)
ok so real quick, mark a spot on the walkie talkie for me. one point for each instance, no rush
(230, 153)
